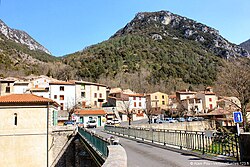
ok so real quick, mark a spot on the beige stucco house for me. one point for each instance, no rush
(25, 130)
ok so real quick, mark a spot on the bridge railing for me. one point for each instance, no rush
(97, 142)
(213, 143)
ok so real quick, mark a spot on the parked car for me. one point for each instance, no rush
(172, 120)
(181, 119)
(201, 119)
(190, 119)
(80, 124)
(69, 123)
(91, 124)
(116, 122)
(160, 121)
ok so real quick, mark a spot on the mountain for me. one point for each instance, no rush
(158, 25)
(246, 45)
(156, 51)
(21, 55)
(21, 37)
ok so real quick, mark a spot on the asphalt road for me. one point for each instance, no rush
(143, 155)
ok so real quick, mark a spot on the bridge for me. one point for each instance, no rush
(147, 147)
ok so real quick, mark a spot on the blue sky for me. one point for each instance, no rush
(66, 26)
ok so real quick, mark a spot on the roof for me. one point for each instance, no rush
(119, 98)
(171, 96)
(24, 98)
(209, 93)
(135, 95)
(186, 92)
(115, 90)
(21, 83)
(217, 112)
(87, 83)
(60, 83)
(90, 112)
(39, 90)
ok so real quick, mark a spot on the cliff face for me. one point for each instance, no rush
(246, 45)
(21, 37)
(158, 25)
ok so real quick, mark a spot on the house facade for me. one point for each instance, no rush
(63, 93)
(21, 87)
(186, 94)
(6, 87)
(209, 99)
(157, 99)
(90, 95)
(85, 115)
(26, 130)
(193, 105)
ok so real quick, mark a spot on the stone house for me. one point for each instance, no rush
(25, 128)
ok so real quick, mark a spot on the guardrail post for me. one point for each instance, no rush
(203, 143)
(180, 141)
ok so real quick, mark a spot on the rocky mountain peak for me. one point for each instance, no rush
(21, 37)
(246, 45)
(158, 25)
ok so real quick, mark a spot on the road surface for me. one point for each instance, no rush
(143, 155)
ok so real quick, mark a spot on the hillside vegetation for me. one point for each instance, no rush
(161, 61)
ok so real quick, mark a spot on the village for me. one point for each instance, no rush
(80, 102)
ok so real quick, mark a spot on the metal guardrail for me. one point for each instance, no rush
(97, 142)
(219, 144)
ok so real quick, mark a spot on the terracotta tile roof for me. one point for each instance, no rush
(172, 96)
(61, 83)
(24, 98)
(90, 112)
(219, 112)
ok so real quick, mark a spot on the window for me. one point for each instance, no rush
(95, 95)
(211, 106)
(82, 94)
(61, 108)
(163, 102)
(139, 104)
(61, 97)
(134, 98)
(15, 119)
(155, 97)
(95, 103)
(7, 90)
(134, 104)
(210, 99)
(61, 88)
(55, 96)
(100, 95)
(139, 98)
(162, 96)
(98, 88)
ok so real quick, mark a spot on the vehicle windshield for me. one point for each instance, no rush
(92, 121)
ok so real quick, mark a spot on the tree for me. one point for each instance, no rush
(235, 79)
(125, 105)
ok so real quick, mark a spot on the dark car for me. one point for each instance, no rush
(69, 123)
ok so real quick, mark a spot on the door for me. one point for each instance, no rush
(81, 119)
(99, 121)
